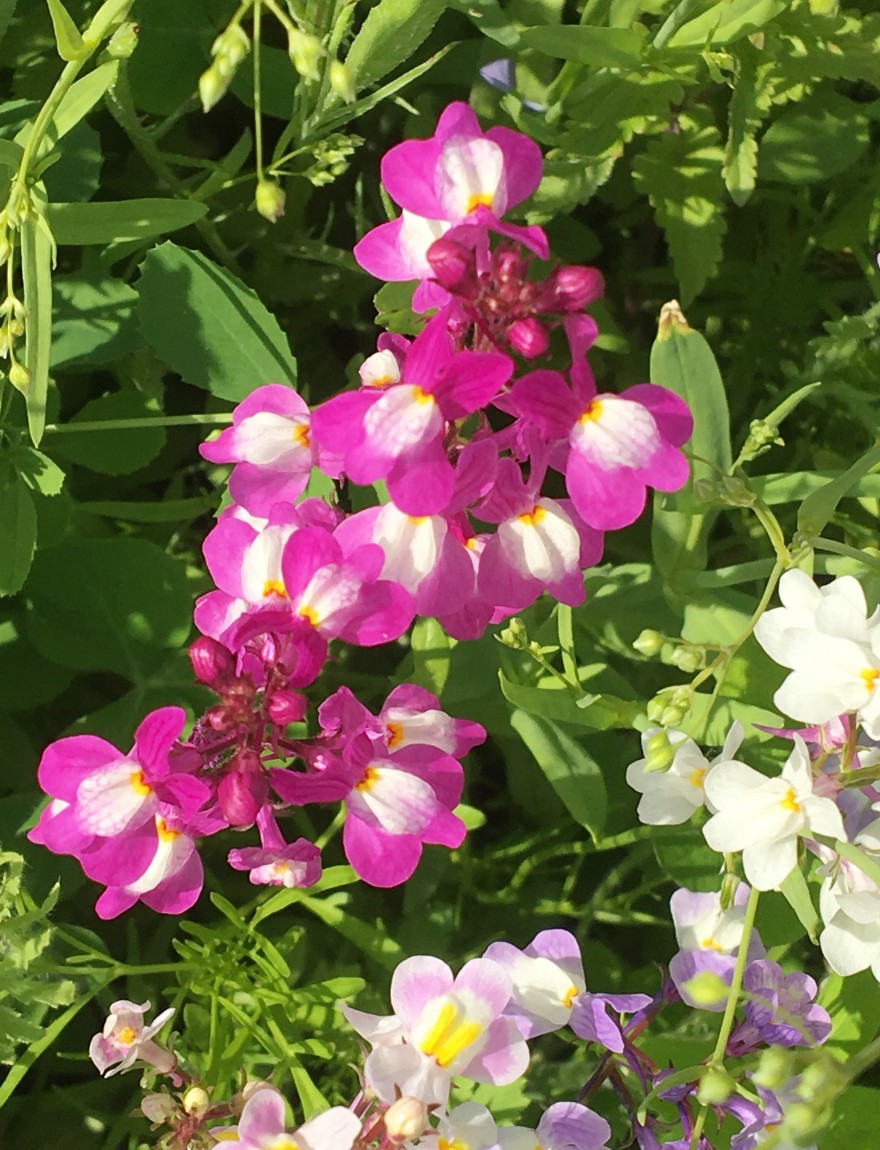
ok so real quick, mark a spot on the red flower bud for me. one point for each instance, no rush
(528, 337)
(212, 663)
(576, 286)
(243, 790)
(454, 267)
(286, 707)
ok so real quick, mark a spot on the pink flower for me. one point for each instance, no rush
(125, 1040)
(276, 862)
(262, 1126)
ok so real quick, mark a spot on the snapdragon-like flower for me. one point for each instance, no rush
(832, 646)
(563, 1126)
(442, 1027)
(849, 903)
(262, 1127)
(276, 862)
(709, 937)
(779, 1010)
(762, 817)
(469, 1125)
(125, 1040)
(671, 796)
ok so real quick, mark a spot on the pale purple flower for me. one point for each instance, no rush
(262, 1126)
(125, 1040)
(709, 937)
(563, 1126)
(779, 1010)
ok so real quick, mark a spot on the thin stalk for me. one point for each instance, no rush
(258, 89)
(217, 419)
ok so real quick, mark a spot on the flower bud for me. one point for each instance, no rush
(454, 267)
(528, 337)
(576, 286)
(270, 200)
(304, 52)
(243, 790)
(230, 48)
(656, 707)
(212, 87)
(687, 659)
(716, 1086)
(19, 376)
(196, 1101)
(774, 1069)
(405, 1119)
(514, 634)
(211, 661)
(158, 1108)
(659, 752)
(648, 643)
(342, 81)
(672, 715)
(286, 707)
(123, 41)
(706, 989)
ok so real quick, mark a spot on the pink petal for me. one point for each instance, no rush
(67, 762)
(415, 982)
(155, 737)
(380, 859)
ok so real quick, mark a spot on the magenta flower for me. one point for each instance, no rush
(277, 862)
(397, 432)
(442, 1027)
(270, 446)
(125, 1040)
(617, 445)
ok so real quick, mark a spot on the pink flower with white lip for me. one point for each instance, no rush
(618, 445)
(459, 175)
(397, 432)
(270, 446)
(262, 1126)
(276, 862)
(442, 1027)
(125, 1040)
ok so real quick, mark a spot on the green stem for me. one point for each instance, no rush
(565, 630)
(258, 89)
(717, 1059)
(217, 420)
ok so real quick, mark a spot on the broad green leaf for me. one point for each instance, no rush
(682, 361)
(392, 31)
(725, 21)
(854, 1006)
(393, 303)
(797, 895)
(801, 149)
(432, 652)
(108, 605)
(856, 1114)
(67, 36)
(683, 855)
(681, 175)
(36, 270)
(817, 509)
(572, 771)
(7, 10)
(597, 47)
(106, 223)
(95, 319)
(10, 154)
(18, 535)
(208, 327)
(27, 680)
(118, 450)
(38, 471)
(491, 19)
(75, 171)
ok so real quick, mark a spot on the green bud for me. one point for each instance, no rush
(774, 1069)
(737, 492)
(687, 659)
(656, 707)
(672, 715)
(212, 87)
(682, 697)
(648, 643)
(705, 490)
(802, 1121)
(196, 1101)
(706, 988)
(304, 52)
(19, 376)
(716, 1086)
(230, 48)
(342, 81)
(269, 200)
(123, 41)
(659, 753)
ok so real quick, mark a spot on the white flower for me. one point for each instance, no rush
(825, 636)
(849, 903)
(672, 796)
(762, 817)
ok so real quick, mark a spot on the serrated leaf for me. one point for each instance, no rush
(38, 471)
(571, 770)
(681, 175)
(743, 121)
(68, 40)
(595, 46)
(208, 327)
(801, 149)
(126, 220)
(392, 31)
(18, 535)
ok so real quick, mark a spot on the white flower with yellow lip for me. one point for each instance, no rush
(762, 817)
(671, 796)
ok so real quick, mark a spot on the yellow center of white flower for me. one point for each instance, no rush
(790, 803)
(532, 518)
(695, 778)
(593, 413)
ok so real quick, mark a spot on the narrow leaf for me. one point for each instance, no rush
(68, 40)
(797, 895)
(817, 509)
(597, 47)
(18, 536)
(391, 33)
(104, 223)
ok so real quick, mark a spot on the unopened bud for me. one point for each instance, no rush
(158, 1107)
(196, 1101)
(528, 337)
(687, 659)
(230, 48)
(514, 634)
(405, 1119)
(286, 707)
(577, 286)
(19, 376)
(648, 643)
(716, 1086)
(659, 752)
(211, 661)
(774, 1068)
(802, 1121)
(342, 81)
(212, 87)
(672, 716)
(243, 790)
(705, 989)
(304, 52)
(454, 267)
(5, 247)
(270, 200)
(736, 492)
(123, 41)
(238, 1100)
(656, 707)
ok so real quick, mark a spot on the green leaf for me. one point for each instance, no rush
(817, 509)
(743, 121)
(797, 895)
(683, 855)
(571, 770)
(491, 19)
(393, 303)
(432, 653)
(551, 700)
(94, 319)
(682, 361)
(374, 941)
(77, 102)
(18, 535)
(142, 511)
(392, 31)
(68, 40)
(125, 220)
(117, 451)
(38, 471)
(724, 22)
(108, 605)
(681, 175)
(856, 1115)
(801, 149)
(7, 10)
(208, 327)
(597, 47)
(854, 1006)
(36, 270)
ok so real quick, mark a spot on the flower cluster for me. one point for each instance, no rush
(473, 440)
